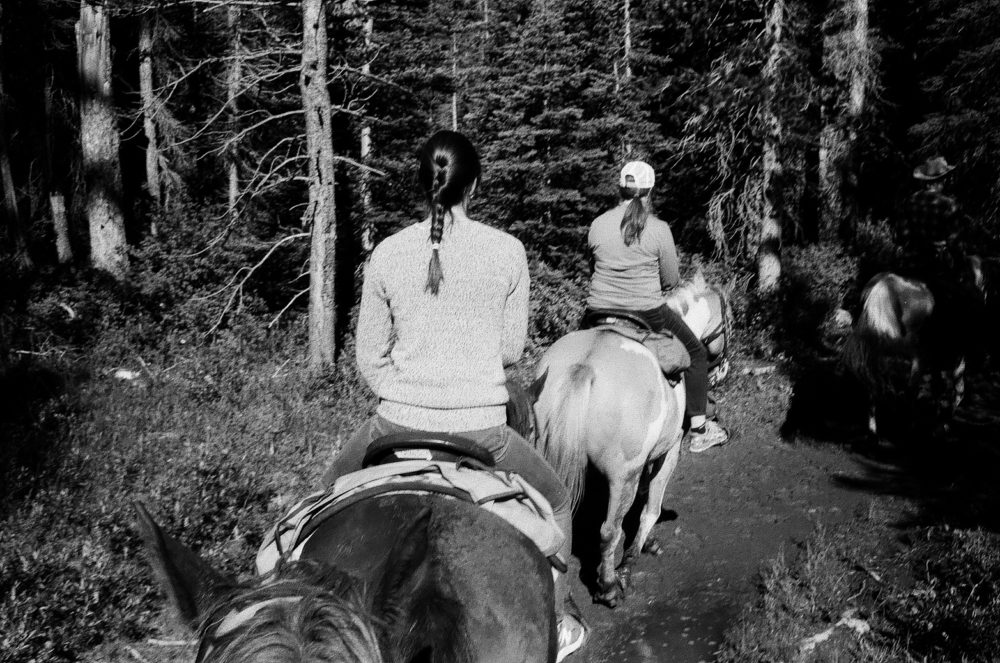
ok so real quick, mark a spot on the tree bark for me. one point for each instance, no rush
(57, 205)
(838, 139)
(365, 178)
(321, 212)
(769, 253)
(149, 106)
(627, 41)
(454, 80)
(15, 223)
(99, 143)
(57, 201)
(233, 75)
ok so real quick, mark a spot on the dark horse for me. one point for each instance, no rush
(395, 577)
(901, 318)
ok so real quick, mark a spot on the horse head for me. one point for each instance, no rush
(706, 310)
(303, 611)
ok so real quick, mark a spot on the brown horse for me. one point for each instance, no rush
(396, 577)
(602, 398)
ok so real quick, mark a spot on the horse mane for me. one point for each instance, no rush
(313, 613)
(304, 611)
(682, 297)
(431, 614)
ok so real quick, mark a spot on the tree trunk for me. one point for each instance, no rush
(149, 106)
(99, 142)
(454, 81)
(856, 106)
(57, 201)
(769, 254)
(15, 223)
(233, 74)
(321, 212)
(57, 205)
(627, 39)
(365, 183)
(838, 138)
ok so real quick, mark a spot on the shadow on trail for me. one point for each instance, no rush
(32, 423)
(948, 470)
(587, 526)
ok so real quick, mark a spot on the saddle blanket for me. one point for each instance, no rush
(505, 494)
(671, 354)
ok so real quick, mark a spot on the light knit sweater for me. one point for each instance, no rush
(436, 362)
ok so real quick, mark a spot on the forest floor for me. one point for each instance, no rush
(797, 463)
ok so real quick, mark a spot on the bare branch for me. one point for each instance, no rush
(248, 272)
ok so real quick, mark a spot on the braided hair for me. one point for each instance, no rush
(449, 167)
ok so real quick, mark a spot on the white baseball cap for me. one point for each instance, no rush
(640, 173)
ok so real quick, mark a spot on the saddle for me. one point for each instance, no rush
(505, 494)
(669, 352)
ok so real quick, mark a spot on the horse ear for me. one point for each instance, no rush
(407, 567)
(191, 583)
(698, 280)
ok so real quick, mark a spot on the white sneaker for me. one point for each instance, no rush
(572, 635)
(713, 434)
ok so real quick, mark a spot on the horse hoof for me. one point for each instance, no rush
(610, 597)
(653, 547)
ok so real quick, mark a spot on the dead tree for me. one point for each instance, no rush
(99, 142)
(769, 253)
(149, 109)
(320, 214)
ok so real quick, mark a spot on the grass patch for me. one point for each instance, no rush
(932, 598)
(217, 444)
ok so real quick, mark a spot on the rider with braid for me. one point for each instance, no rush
(635, 261)
(435, 333)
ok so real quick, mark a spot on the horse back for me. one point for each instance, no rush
(630, 401)
(489, 581)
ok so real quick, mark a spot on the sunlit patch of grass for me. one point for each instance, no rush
(850, 594)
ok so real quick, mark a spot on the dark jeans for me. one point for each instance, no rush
(511, 452)
(696, 378)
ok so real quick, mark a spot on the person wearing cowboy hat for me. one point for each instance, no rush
(930, 227)
(933, 249)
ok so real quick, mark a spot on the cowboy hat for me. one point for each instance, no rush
(932, 169)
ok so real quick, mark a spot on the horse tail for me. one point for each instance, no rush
(562, 413)
(520, 414)
(878, 325)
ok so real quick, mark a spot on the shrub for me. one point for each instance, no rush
(557, 304)
(952, 610)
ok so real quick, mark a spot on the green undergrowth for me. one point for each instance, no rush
(216, 442)
(864, 592)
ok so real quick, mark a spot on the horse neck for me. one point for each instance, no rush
(690, 302)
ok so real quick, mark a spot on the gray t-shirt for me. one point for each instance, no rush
(632, 277)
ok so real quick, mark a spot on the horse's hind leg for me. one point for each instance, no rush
(621, 494)
(654, 505)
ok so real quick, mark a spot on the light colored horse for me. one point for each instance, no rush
(602, 397)
(894, 321)
(707, 312)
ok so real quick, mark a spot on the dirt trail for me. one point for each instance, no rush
(734, 507)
